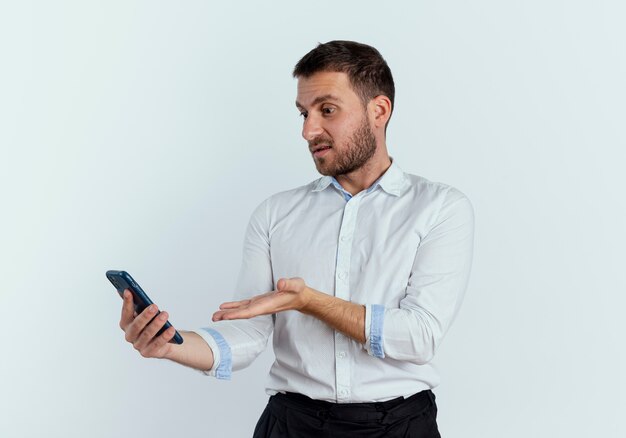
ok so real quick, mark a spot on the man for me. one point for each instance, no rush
(366, 268)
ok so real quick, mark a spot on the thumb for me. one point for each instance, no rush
(294, 284)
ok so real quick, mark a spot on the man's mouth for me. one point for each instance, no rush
(320, 150)
(319, 147)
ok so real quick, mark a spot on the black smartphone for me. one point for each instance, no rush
(122, 281)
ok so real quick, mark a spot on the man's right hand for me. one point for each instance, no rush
(141, 332)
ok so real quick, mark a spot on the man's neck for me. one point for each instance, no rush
(362, 178)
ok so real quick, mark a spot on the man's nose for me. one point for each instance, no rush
(312, 128)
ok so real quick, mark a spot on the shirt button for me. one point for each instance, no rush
(343, 392)
(344, 237)
(342, 275)
(341, 354)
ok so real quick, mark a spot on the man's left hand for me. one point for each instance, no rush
(290, 294)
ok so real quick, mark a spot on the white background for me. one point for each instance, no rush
(141, 135)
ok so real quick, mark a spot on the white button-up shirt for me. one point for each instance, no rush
(402, 248)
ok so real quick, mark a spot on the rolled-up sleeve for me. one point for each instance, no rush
(434, 291)
(237, 343)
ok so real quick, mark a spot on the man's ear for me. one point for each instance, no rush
(381, 108)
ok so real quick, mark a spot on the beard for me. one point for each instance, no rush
(360, 147)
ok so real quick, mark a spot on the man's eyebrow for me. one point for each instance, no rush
(321, 99)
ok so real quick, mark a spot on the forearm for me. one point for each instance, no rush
(194, 352)
(344, 316)
(293, 294)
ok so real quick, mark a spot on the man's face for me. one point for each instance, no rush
(336, 124)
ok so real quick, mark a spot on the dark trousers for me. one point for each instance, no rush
(297, 416)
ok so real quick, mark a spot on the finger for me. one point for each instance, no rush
(242, 313)
(246, 302)
(234, 304)
(128, 310)
(134, 329)
(222, 315)
(294, 284)
(155, 348)
(148, 333)
(217, 316)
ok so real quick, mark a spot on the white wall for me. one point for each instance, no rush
(140, 136)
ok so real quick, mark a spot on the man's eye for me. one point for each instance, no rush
(327, 111)
(304, 115)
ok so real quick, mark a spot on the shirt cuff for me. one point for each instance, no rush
(374, 319)
(222, 357)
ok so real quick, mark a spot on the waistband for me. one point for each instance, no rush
(395, 409)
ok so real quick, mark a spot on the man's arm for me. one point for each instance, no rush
(194, 352)
(294, 294)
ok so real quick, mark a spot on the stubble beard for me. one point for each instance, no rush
(361, 147)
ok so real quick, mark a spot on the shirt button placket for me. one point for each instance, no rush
(342, 290)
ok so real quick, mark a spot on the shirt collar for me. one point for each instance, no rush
(394, 181)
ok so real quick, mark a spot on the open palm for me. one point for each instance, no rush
(289, 295)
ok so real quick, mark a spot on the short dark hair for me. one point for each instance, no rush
(368, 72)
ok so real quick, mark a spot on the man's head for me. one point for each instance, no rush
(367, 71)
(345, 94)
